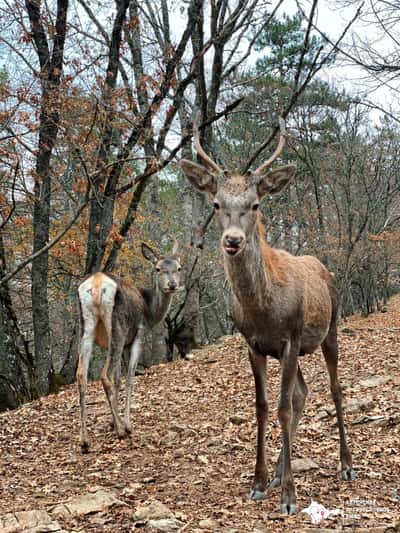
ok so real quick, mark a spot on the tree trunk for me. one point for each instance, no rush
(16, 362)
(51, 64)
(193, 216)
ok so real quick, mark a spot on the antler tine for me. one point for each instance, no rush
(175, 247)
(196, 140)
(279, 148)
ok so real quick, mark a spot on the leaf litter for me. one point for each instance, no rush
(194, 439)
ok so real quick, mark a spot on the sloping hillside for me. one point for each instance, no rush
(193, 446)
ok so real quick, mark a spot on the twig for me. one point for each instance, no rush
(49, 245)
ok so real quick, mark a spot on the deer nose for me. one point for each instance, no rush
(172, 285)
(233, 242)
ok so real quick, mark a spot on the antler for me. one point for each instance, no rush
(196, 140)
(175, 247)
(279, 148)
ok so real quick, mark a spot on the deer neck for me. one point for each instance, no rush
(158, 305)
(248, 277)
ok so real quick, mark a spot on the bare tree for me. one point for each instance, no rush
(51, 68)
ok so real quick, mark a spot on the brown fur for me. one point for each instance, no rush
(273, 264)
(101, 337)
(116, 315)
(237, 184)
(285, 306)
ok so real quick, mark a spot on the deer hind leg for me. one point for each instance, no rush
(330, 351)
(104, 378)
(289, 368)
(135, 352)
(300, 392)
(259, 366)
(85, 354)
(110, 378)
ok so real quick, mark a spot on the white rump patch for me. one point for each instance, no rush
(97, 296)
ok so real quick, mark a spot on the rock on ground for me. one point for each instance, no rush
(29, 522)
(87, 503)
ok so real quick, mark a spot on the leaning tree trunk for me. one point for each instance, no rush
(102, 202)
(16, 362)
(10, 396)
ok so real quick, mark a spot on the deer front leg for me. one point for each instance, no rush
(136, 350)
(298, 402)
(259, 366)
(288, 378)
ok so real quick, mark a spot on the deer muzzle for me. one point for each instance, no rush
(233, 241)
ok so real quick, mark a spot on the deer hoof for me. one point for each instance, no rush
(85, 447)
(121, 433)
(256, 494)
(288, 500)
(274, 483)
(348, 474)
(288, 508)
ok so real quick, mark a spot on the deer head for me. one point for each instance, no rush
(236, 197)
(167, 268)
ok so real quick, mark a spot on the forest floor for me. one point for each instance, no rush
(193, 445)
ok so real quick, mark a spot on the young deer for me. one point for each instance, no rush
(285, 306)
(117, 317)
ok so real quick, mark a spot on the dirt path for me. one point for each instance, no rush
(193, 446)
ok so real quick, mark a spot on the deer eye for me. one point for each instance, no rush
(179, 269)
(158, 269)
(216, 206)
(255, 207)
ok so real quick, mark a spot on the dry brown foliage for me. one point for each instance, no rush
(193, 442)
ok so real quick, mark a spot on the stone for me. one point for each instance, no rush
(170, 437)
(237, 420)
(321, 530)
(355, 405)
(208, 523)
(8, 522)
(152, 510)
(375, 381)
(348, 331)
(165, 524)
(303, 465)
(87, 503)
(176, 428)
(132, 490)
(325, 413)
(376, 420)
(36, 521)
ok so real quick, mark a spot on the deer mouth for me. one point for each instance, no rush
(232, 250)
(168, 290)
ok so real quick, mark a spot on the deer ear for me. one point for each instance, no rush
(149, 254)
(199, 176)
(276, 180)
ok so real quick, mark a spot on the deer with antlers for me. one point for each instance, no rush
(285, 306)
(117, 317)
